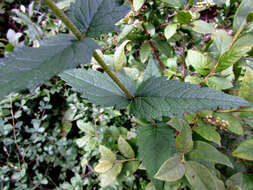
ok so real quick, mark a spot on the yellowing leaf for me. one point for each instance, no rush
(110, 176)
(125, 149)
(119, 56)
(103, 166)
(106, 154)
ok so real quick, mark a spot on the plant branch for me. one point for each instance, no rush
(234, 110)
(61, 15)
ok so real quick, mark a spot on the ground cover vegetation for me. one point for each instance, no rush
(137, 94)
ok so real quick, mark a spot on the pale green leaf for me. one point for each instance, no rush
(103, 166)
(145, 51)
(106, 154)
(150, 28)
(219, 83)
(125, 149)
(96, 17)
(184, 143)
(203, 27)
(137, 4)
(170, 30)
(199, 176)
(241, 14)
(221, 42)
(205, 151)
(244, 150)
(246, 89)
(207, 132)
(27, 67)
(151, 70)
(155, 145)
(171, 170)
(110, 176)
(157, 97)
(198, 61)
(119, 56)
(98, 87)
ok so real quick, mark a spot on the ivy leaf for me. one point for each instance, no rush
(241, 14)
(26, 67)
(98, 87)
(155, 145)
(244, 150)
(96, 17)
(172, 170)
(157, 97)
(205, 151)
(199, 176)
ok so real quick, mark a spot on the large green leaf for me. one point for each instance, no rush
(244, 150)
(26, 67)
(157, 97)
(98, 87)
(241, 14)
(205, 151)
(155, 145)
(96, 17)
(199, 176)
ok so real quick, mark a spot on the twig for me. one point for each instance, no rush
(234, 110)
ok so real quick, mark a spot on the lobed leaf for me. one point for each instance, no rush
(26, 67)
(157, 97)
(96, 17)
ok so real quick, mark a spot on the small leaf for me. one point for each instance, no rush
(198, 61)
(170, 30)
(97, 17)
(184, 17)
(184, 143)
(145, 52)
(205, 151)
(119, 56)
(149, 138)
(157, 97)
(137, 4)
(203, 27)
(207, 132)
(250, 17)
(98, 87)
(246, 89)
(103, 166)
(244, 150)
(221, 42)
(230, 57)
(27, 67)
(151, 70)
(163, 46)
(199, 176)
(110, 176)
(125, 149)
(241, 14)
(106, 154)
(171, 170)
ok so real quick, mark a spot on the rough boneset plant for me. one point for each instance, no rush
(153, 101)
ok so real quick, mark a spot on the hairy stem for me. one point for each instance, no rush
(61, 15)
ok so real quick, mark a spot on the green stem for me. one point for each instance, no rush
(61, 15)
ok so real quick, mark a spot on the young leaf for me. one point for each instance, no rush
(171, 170)
(151, 70)
(110, 176)
(241, 14)
(98, 87)
(170, 30)
(125, 149)
(231, 57)
(96, 17)
(155, 145)
(184, 143)
(205, 151)
(199, 176)
(26, 67)
(244, 150)
(157, 97)
(207, 132)
(103, 166)
(203, 27)
(119, 56)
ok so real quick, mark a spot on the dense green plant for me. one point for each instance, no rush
(187, 154)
